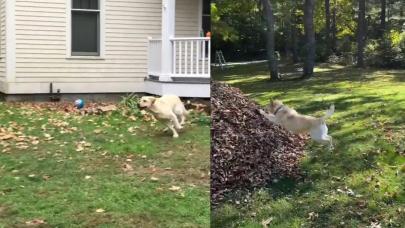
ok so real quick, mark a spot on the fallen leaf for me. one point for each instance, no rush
(35, 222)
(266, 223)
(175, 188)
(46, 177)
(127, 167)
(79, 148)
(154, 178)
(312, 216)
(6, 137)
(108, 108)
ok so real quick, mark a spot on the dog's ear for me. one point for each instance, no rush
(153, 100)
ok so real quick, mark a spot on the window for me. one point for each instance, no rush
(85, 28)
(206, 14)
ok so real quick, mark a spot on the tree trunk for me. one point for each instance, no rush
(295, 34)
(294, 44)
(328, 25)
(309, 61)
(382, 15)
(272, 61)
(334, 28)
(361, 33)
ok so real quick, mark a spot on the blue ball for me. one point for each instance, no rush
(79, 103)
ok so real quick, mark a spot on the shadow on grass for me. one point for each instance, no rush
(367, 103)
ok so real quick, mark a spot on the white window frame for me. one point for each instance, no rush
(101, 11)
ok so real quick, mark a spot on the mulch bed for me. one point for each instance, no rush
(247, 150)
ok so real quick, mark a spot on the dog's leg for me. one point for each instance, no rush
(182, 119)
(171, 127)
(181, 113)
(272, 118)
(173, 118)
(325, 140)
(329, 141)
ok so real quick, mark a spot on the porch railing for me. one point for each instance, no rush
(191, 57)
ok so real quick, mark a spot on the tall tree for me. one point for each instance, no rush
(309, 30)
(328, 23)
(272, 60)
(334, 27)
(361, 32)
(382, 15)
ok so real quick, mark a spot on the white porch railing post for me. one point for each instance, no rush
(209, 56)
(203, 58)
(168, 32)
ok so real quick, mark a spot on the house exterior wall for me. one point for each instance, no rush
(187, 18)
(41, 29)
(2, 41)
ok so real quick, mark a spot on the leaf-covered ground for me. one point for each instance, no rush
(63, 169)
(362, 182)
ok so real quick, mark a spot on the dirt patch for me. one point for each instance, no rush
(247, 150)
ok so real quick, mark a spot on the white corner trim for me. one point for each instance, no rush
(168, 32)
(10, 41)
(69, 32)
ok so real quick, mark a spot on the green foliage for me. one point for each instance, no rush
(239, 30)
(388, 51)
(200, 119)
(130, 102)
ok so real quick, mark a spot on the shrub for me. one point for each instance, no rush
(130, 103)
(388, 51)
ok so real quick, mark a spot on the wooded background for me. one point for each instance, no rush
(365, 33)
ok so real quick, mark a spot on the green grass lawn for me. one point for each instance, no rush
(360, 183)
(101, 170)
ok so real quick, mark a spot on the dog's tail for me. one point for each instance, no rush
(329, 112)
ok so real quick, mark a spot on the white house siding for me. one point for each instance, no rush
(187, 18)
(2, 40)
(41, 37)
(41, 30)
(188, 25)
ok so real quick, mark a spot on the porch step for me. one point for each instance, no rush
(199, 89)
(197, 80)
(153, 78)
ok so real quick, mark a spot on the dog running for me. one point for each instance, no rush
(291, 120)
(167, 107)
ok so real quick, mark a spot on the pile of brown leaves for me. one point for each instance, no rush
(247, 150)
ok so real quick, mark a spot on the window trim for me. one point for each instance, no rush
(101, 35)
